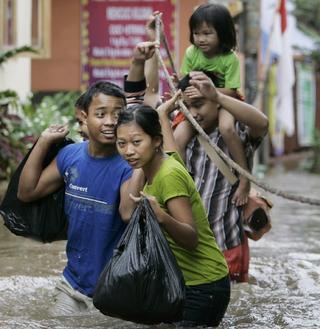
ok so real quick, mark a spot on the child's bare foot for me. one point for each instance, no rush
(240, 197)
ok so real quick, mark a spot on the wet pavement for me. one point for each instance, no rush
(283, 292)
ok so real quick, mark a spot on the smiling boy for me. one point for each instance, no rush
(95, 179)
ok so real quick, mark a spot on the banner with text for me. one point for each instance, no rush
(110, 29)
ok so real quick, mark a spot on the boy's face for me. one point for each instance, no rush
(102, 117)
(205, 112)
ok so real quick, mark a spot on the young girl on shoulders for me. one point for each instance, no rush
(213, 39)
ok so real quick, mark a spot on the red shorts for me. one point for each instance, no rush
(238, 261)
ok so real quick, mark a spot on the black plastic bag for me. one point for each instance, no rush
(44, 219)
(142, 282)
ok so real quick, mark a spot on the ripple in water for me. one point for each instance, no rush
(283, 292)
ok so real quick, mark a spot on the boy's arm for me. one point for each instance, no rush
(243, 112)
(142, 52)
(135, 82)
(228, 91)
(36, 182)
(177, 139)
(152, 97)
(151, 70)
(169, 142)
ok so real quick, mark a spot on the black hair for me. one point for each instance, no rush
(79, 102)
(144, 116)
(101, 87)
(185, 81)
(219, 17)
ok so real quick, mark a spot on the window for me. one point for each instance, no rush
(14, 23)
(8, 26)
(41, 26)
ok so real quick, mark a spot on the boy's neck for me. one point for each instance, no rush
(101, 151)
(212, 128)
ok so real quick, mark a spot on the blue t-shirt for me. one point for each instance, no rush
(92, 199)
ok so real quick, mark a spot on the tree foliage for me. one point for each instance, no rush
(308, 16)
(22, 123)
(5, 56)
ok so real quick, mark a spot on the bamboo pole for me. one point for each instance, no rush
(216, 149)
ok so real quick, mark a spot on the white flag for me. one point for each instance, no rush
(285, 74)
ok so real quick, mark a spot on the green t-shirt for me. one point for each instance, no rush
(206, 263)
(225, 66)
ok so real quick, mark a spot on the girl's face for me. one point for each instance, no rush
(205, 37)
(135, 146)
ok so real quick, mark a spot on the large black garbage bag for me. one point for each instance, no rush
(142, 282)
(43, 220)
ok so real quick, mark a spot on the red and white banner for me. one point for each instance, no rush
(109, 31)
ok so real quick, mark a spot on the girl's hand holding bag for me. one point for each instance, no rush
(142, 282)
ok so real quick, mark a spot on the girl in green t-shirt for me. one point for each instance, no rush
(180, 212)
(213, 43)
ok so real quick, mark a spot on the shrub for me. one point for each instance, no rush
(22, 123)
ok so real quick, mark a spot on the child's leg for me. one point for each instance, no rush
(235, 146)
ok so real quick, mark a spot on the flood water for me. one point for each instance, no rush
(283, 292)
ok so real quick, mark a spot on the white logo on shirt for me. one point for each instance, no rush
(78, 188)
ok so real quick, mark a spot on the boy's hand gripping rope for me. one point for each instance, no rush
(215, 148)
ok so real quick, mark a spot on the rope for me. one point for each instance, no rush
(230, 162)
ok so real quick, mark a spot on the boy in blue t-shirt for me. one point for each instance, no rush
(96, 182)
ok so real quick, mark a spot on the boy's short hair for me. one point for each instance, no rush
(102, 87)
(185, 81)
(79, 102)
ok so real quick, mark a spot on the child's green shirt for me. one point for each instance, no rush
(226, 67)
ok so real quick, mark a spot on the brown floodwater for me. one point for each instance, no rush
(283, 292)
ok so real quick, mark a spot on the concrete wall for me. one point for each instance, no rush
(62, 70)
(16, 73)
